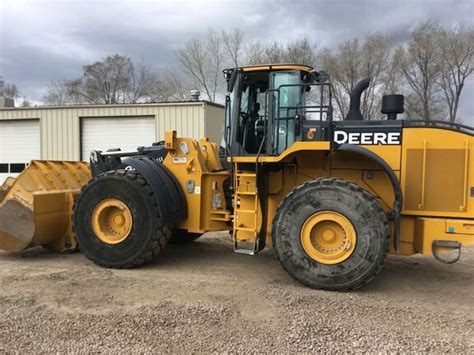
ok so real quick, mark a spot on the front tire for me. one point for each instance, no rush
(331, 234)
(116, 220)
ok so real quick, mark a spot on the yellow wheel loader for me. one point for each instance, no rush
(332, 198)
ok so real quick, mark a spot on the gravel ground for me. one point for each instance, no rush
(203, 297)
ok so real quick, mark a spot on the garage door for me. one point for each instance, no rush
(19, 143)
(126, 133)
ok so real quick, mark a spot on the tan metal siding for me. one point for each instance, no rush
(186, 120)
(60, 126)
(213, 122)
(59, 134)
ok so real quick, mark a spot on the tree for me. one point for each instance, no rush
(233, 46)
(172, 86)
(104, 81)
(421, 66)
(353, 61)
(26, 103)
(142, 84)
(203, 60)
(301, 52)
(115, 79)
(457, 54)
(260, 53)
(9, 90)
(343, 67)
(376, 53)
(58, 94)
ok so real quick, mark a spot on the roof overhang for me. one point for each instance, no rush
(266, 67)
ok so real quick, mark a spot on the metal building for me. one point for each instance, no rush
(71, 132)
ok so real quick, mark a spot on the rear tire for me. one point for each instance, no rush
(347, 202)
(147, 236)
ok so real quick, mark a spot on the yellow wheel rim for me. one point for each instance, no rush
(111, 221)
(328, 237)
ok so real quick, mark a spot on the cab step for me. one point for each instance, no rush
(446, 244)
(244, 251)
(246, 203)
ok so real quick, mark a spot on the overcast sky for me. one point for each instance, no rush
(46, 40)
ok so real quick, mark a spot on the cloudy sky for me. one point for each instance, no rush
(46, 40)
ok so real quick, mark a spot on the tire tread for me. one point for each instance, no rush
(162, 232)
(368, 197)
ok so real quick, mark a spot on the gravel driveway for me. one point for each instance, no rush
(203, 297)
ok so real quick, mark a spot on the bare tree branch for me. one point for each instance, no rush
(203, 60)
(457, 54)
(113, 80)
(355, 60)
(421, 66)
(233, 45)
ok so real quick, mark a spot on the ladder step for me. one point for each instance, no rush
(220, 219)
(245, 211)
(244, 251)
(245, 182)
(245, 193)
(245, 229)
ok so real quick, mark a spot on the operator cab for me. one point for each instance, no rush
(268, 107)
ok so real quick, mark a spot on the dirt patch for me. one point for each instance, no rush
(203, 297)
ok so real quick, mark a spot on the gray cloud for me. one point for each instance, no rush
(47, 40)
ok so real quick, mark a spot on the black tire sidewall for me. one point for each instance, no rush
(351, 202)
(130, 191)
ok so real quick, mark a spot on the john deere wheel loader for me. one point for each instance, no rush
(331, 197)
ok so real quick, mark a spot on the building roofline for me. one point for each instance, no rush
(210, 103)
(164, 103)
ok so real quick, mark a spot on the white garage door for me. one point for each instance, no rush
(126, 133)
(19, 143)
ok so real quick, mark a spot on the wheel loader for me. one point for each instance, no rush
(332, 198)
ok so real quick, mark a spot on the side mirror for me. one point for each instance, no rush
(321, 76)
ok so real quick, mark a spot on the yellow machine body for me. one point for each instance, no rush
(196, 166)
(436, 172)
(434, 168)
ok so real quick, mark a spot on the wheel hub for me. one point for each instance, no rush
(111, 221)
(328, 237)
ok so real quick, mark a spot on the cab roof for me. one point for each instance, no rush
(283, 66)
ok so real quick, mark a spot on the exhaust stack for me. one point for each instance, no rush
(354, 113)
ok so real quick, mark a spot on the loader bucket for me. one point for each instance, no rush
(36, 207)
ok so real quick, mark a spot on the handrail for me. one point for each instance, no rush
(437, 123)
(323, 110)
(421, 205)
(466, 173)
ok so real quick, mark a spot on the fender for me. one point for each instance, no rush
(168, 193)
(397, 190)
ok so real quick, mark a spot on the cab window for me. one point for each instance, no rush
(288, 98)
(253, 111)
